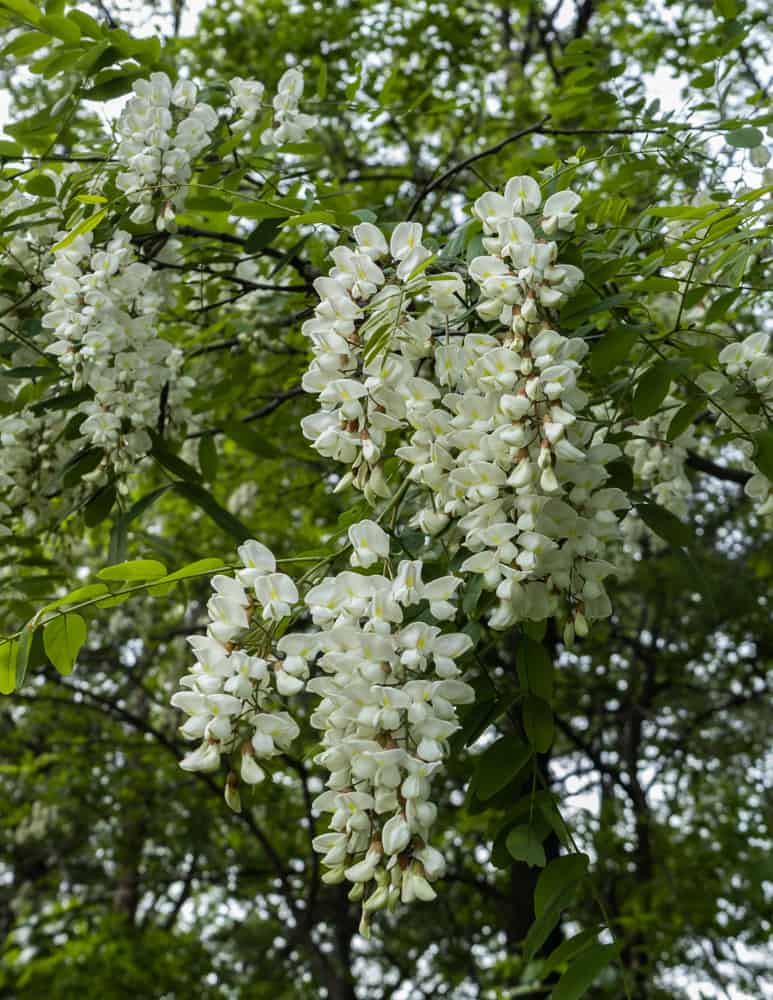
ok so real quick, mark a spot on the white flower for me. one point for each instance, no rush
(370, 543)
(276, 592)
(370, 240)
(184, 94)
(203, 758)
(257, 561)
(251, 772)
(557, 212)
(395, 834)
(523, 194)
(406, 588)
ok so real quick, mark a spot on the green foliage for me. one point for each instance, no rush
(128, 877)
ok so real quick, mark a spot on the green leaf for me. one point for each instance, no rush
(99, 506)
(582, 974)
(195, 569)
(745, 138)
(524, 845)
(259, 210)
(613, 349)
(91, 199)
(83, 227)
(620, 475)
(25, 44)
(134, 571)
(683, 418)
(569, 949)
(658, 284)
(543, 925)
(80, 465)
(11, 149)
(23, 652)
(42, 186)
(320, 217)
(652, 388)
(560, 873)
(62, 640)
(763, 453)
(262, 235)
(538, 722)
(499, 764)
(205, 201)
(173, 463)
(322, 80)
(665, 524)
(61, 27)
(223, 519)
(252, 440)
(112, 83)
(354, 514)
(86, 23)
(119, 534)
(727, 8)
(8, 666)
(208, 459)
(472, 595)
(23, 8)
(719, 308)
(87, 593)
(683, 211)
(29, 371)
(535, 668)
(62, 402)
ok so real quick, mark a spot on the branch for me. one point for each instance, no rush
(303, 267)
(264, 411)
(458, 167)
(710, 468)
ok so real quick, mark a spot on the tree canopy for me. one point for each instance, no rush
(385, 499)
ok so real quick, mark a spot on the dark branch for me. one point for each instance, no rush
(710, 468)
(458, 167)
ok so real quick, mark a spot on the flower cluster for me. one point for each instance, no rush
(103, 312)
(164, 128)
(32, 454)
(231, 696)
(290, 123)
(388, 694)
(510, 472)
(161, 131)
(34, 447)
(364, 393)
(387, 688)
(659, 464)
(743, 392)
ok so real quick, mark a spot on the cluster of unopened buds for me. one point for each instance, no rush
(487, 420)
(387, 690)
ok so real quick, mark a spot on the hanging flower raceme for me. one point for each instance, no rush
(387, 683)
(233, 693)
(103, 315)
(488, 421)
(164, 128)
(743, 391)
(388, 690)
(369, 334)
